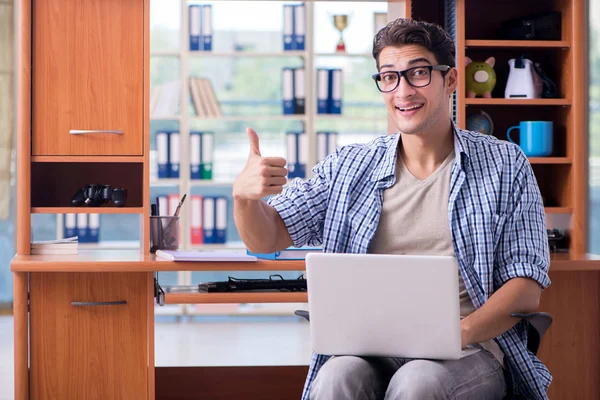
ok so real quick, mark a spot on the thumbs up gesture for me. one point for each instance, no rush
(262, 176)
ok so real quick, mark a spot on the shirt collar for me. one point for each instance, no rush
(388, 167)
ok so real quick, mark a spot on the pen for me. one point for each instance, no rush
(153, 210)
(157, 207)
(179, 206)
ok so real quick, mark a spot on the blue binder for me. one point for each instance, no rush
(70, 225)
(207, 28)
(322, 91)
(195, 159)
(162, 148)
(195, 26)
(287, 79)
(335, 91)
(208, 223)
(299, 26)
(288, 27)
(174, 154)
(220, 220)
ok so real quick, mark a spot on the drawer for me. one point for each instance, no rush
(89, 335)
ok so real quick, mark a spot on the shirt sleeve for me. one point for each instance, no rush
(523, 246)
(303, 204)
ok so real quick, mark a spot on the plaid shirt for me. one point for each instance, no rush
(495, 213)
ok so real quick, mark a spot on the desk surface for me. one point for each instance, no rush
(133, 260)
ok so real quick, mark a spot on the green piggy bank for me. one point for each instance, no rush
(481, 78)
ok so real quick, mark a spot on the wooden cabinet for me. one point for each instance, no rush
(89, 335)
(87, 77)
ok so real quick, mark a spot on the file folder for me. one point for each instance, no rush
(206, 159)
(195, 146)
(70, 225)
(299, 91)
(322, 91)
(196, 220)
(221, 220)
(335, 84)
(302, 155)
(209, 220)
(82, 228)
(207, 27)
(288, 90)
(292, 154)
(174, 150)
(195, 20)
(322, 145)
(299, 26)
(288, 27)
(162, 148)
(94, 228)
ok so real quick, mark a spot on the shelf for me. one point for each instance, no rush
(254, 297)
(363, 55)
(209, 183)
(550, 160)
(165, 182)
(165, 53)
(89, 159)
(236, 118)
(165, 118)
(87, 210)
(517, 102)
(248, 54)
(558, 210)
(559, 44)
(110, 245)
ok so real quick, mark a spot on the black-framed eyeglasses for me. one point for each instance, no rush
(388, 81)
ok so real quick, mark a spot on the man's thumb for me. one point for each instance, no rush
(253, 141)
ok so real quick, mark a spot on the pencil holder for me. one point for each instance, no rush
(164, 233)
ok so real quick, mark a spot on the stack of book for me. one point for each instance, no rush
(204, 98)
(59, 246)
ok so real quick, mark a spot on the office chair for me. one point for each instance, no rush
(537, 324)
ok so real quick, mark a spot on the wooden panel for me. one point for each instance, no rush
(88, 75)
(105, 209)
(229, 383)
(144, 224)
(218, 298)
(89, 352)
(23, 126)
(560, 44)
(98, 159)
(54, 184)
(571, 346)
(7, 48)
(21, 335)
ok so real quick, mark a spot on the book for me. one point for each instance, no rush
(213, 256)
(58, 246)
(291, 253)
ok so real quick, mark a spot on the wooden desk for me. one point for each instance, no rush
(570, 349)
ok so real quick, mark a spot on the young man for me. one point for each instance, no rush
(431, 188)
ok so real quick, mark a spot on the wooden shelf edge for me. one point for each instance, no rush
(89, 159)
(87, 210)
(209, 298)
(550, 160)
(518, 43)
(515, 102)
(565, 262)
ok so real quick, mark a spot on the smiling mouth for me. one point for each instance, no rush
(411, 108)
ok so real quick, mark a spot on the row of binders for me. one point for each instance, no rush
(168, 147)
(297, 151)
(85, 226)
(329, 91)
(293, 91)
(294, 27)
(204, 98)
(208, 216)
(200, 27)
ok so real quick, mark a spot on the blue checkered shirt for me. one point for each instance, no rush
(495, 213)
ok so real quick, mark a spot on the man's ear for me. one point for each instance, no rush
(451, 80)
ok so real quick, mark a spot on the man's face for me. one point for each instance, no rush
(416, 110)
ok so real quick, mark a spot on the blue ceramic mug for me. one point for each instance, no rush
(535, 137)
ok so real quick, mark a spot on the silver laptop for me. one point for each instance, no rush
(384, 305)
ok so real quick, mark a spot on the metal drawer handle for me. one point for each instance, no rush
(97, 303)
(80, 132)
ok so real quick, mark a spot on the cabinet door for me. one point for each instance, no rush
(96, 350)
(88, 75)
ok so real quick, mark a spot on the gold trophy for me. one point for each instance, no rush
(340, 22)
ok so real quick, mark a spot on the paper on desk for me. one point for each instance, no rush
(176, 255)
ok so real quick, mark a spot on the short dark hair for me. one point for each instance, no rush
(403, 31)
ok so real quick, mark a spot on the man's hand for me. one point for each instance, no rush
(262, 176)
